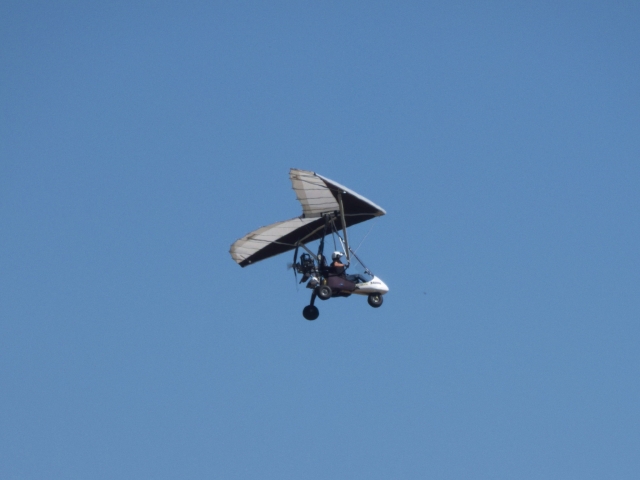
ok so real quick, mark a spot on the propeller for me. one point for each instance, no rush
(295, 270)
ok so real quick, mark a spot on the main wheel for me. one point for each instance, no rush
(310, 312)
(375, 300)
(324, 292)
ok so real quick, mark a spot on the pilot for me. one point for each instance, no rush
(338, 268)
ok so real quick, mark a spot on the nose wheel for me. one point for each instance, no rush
(375, 300)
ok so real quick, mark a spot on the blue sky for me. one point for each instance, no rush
(139, 140)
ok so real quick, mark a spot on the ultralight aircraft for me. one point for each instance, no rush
(328, 208)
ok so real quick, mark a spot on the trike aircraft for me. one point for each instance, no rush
(328, 209)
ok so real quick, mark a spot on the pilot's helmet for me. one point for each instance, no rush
(336, 255)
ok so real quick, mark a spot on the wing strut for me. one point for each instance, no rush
(344, 226)
(300, 243)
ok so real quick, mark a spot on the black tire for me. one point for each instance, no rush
(324, 292)
(310, 312)
(375, 300)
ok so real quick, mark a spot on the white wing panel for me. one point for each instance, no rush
(255, 241)
(313, 193)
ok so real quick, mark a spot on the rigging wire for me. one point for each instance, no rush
(335, 233)
(365, 237)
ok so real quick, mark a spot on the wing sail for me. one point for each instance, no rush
(318, 197)
(275, 239)
(312, 193)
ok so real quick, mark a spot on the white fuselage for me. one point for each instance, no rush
(375, 285)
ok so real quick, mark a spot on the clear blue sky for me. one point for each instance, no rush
(138, 140)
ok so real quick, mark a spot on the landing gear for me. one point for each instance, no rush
(375, 300)
(310, 312)
(324, 292)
